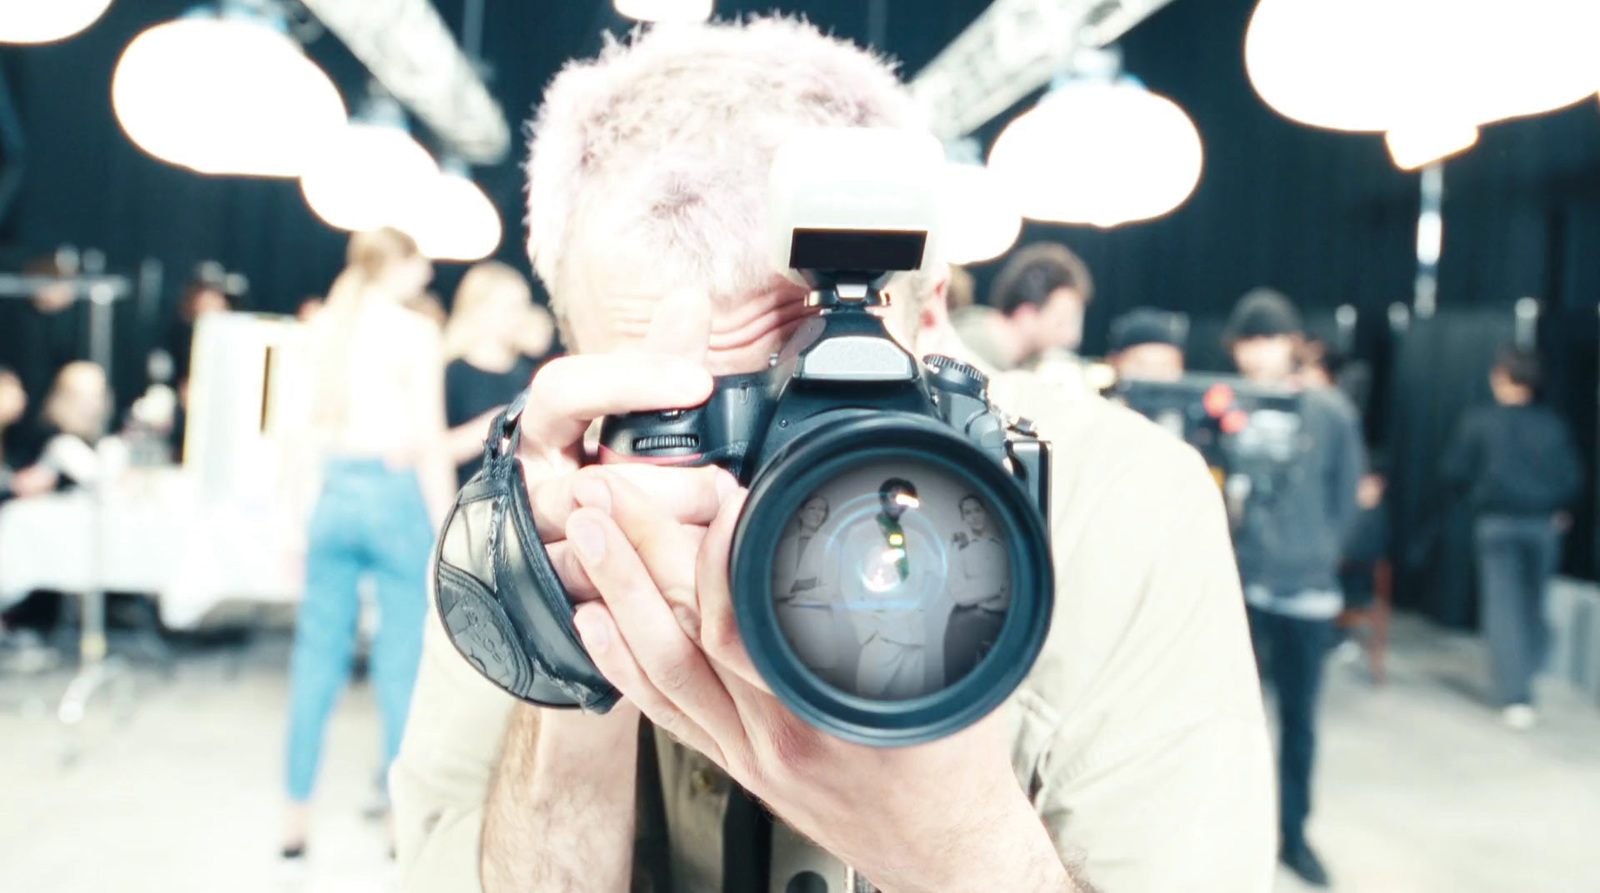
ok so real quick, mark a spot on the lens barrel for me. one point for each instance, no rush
(892, 582)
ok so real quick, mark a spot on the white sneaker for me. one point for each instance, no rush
(1519, 717)
(1349, 653)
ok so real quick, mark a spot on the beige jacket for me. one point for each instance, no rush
(1139, 734)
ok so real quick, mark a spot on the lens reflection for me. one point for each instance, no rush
(892, 582)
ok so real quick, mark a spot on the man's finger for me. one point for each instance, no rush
(683, 495)
(671, 662)
(719, 629)
(667, 549)
(574, 578)
(613, 657)
(568, 393)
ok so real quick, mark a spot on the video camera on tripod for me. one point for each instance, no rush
(1248, 434)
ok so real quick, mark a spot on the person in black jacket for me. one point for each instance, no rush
(1516, 463)
(489, 321)
(1289, 541)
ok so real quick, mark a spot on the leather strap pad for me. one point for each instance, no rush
(499, 597)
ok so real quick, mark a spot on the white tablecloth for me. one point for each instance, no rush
(156, 537)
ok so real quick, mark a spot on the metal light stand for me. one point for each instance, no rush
(97, 669)
(1430, 241)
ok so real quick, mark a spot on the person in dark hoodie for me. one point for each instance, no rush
(1289, 544)
(1516, 463)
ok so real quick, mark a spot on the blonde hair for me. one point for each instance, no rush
(473, 297)
(368, 257)
(663, 144)
(66, 406)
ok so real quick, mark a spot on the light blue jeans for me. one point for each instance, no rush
(369, 520)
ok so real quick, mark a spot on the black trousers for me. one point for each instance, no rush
(1289, 652)
(1516, 558)
(968, 638)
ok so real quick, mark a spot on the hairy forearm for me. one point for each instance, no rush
(561, 806)
(1004, 848)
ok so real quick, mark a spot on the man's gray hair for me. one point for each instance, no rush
(653, 157)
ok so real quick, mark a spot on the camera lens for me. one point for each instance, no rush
(892, 581)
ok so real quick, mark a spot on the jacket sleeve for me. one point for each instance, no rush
(1346, 464)
(439, 783)
(1159, 775)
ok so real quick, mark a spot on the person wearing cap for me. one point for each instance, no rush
(1147, 345)
(1289, 547)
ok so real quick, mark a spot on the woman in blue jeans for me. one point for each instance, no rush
(386, 480)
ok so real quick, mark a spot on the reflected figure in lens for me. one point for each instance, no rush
(805, 609)
(886, 585)
(981, 589)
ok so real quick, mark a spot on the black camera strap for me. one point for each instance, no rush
(501, 602)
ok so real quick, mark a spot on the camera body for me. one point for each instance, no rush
(842, 396)
(841, 366)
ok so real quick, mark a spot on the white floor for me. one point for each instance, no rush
(1419, 788)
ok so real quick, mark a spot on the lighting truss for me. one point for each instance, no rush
(1012, 49)
(411, 52)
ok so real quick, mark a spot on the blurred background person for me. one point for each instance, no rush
(75, 415)
(1319, 365)
(962, 290)
(487, 343)
(1516, 463)
(1365, 568)
(1147, 345)
(210, 290)
(1289, 547)
(1035, 308)
(39, 336)
(13, 403)
(378, 428)
(429, 306)
(536, 337)
(308, 308)
(204, 294)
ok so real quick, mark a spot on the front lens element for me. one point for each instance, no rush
(893, 580)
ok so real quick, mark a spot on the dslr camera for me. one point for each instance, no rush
(891, 569)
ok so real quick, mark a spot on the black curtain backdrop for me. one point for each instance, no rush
(1323, 216)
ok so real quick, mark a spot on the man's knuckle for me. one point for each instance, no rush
(676, 671)
(720, 632)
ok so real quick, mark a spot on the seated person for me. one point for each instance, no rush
(75, 416)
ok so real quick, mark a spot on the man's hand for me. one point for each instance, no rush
(947, 816)
(569, 393)
(560, 811)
